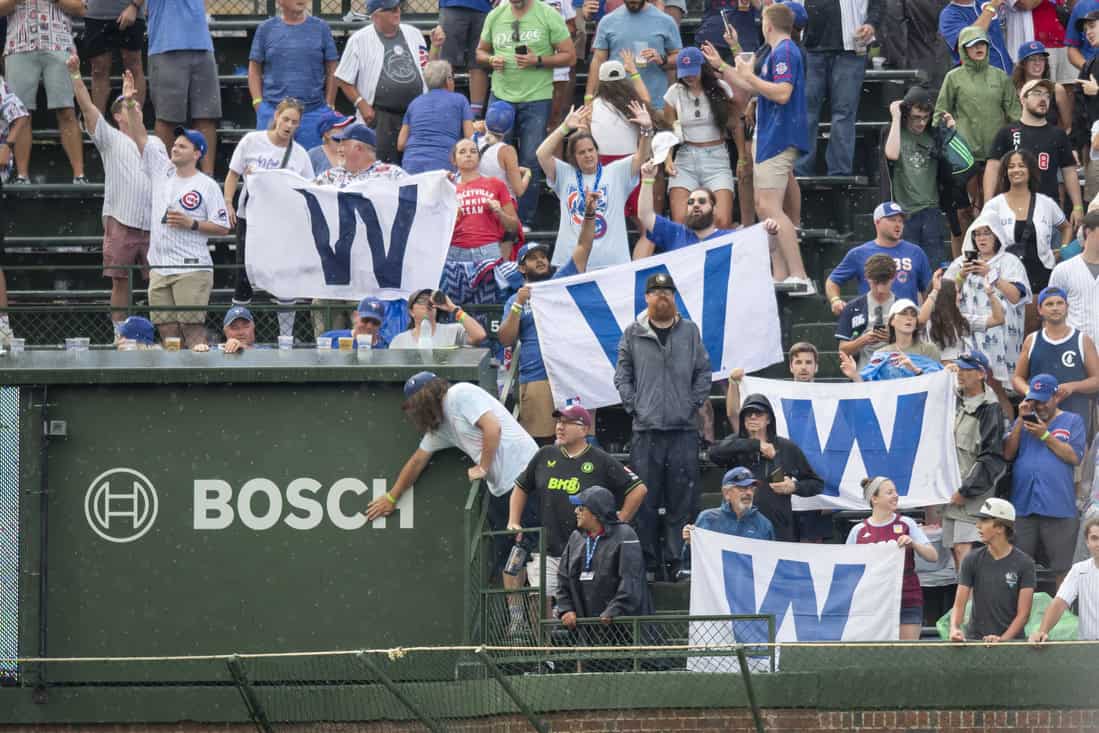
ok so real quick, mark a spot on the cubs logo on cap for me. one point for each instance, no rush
(1042, 388)
(887, 208)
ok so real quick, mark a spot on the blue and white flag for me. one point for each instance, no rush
(814, 592)
(724, 285)
(380, 238)
(902, 429)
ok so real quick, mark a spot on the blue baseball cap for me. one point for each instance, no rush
(974, 360)
(1050, 292)
(373, 5)
(372, 308)
(1042, 388)
(237, 311)
(529, 247)
(195, 137)
(1030, 48)
(689, 62)
(801, 15)
(359, 132)
(331, 118)
(136, 328)
(739, 476)
(887, 208)
(417, 382)
(500, 117)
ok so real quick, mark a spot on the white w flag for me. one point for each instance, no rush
(724, 285)
(814, 592)
(377, 238)
(902, 429)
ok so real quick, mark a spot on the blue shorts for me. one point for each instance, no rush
(912, 615)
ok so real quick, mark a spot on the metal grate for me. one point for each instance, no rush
(9, 528)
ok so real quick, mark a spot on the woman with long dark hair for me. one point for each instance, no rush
(946, 326)
(698, 105)
(1028, 220)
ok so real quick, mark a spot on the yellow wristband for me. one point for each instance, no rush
(588, 98)
(76, 77)
(834, 298)
(648, 181)
(256, 101)
(390, 498)
(1078, 207)
(722, 67)
(635, 75)
(516, 308)
(459, 315)
(1045, 437)
(564, 129)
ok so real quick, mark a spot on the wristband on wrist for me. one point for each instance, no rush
(76, 77)
(516, 308)
(390, 499)
(588, 98)
(256, 101)
(635, 75)
(194, 225)
(834, 298)
(459, 315)
(648, 181)
(564, 129)
(1078, 207)
(1045, 436)
(723, 66)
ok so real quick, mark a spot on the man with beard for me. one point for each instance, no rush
(646, 31)
(777, 462)
(663, 377)
(535, 398)
(1049, 144)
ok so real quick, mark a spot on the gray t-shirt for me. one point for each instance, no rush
(400, 80)
(996, 585)
(109, 9)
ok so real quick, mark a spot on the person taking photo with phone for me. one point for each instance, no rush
(861, 328)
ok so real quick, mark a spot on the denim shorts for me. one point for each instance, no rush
(703, 167)
(912, 615)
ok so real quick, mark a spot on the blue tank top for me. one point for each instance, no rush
(1063, 359)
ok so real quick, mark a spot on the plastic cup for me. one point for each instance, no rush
(364, 344)
(346, 343)
(286, 343)
(172, 343)
(746, 57)
(17, 345)
(878, 62)
(638, 47)
(324, 344)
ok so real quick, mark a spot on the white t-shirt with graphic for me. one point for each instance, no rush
(256, 152)
(171, 250)
(445, 336)
(615, 181)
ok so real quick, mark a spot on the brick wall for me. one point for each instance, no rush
(649, 721)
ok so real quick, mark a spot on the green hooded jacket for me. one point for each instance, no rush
(980, 97)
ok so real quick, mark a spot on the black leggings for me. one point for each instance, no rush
(242, 293)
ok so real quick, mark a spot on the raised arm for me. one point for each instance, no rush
(576, 119)
(584, 242)
(136, 125)
(893, 139)
(645, 211)
(644, 123)
(83, 99)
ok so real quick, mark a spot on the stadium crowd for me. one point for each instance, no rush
(994, 157)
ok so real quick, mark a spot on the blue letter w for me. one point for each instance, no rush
(791, 585)
(855, 421)
(597, 313)
(336, 261)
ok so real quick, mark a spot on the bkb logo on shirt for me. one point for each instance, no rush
(575, 201)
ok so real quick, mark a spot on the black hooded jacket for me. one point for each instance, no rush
(740, 450)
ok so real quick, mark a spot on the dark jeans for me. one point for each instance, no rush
(925, 228)
(387, 126)
(837, 77)
(526, 135)
(667, 461)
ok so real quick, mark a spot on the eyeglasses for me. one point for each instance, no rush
(1039, 94)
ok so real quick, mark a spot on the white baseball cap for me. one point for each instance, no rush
(663, 142)
(997, 509)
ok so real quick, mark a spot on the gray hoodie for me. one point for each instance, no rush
(662, 386)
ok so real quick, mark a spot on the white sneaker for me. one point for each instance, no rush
(810, 287)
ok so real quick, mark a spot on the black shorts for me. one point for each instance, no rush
(104, 36)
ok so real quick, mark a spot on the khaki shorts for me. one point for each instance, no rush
(122, 246)
(187, 288)
(774, 173)
(536, 409)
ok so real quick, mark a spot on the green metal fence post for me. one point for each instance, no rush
(746, 674)
(248, 694)
(390, 685)
(520, 703)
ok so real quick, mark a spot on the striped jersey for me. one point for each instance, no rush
(1076, 278)
(126, 195)
(173, 251)
(1082, 583)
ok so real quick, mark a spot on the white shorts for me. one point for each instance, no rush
(534, 570)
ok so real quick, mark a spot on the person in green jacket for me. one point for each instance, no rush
(980, 99)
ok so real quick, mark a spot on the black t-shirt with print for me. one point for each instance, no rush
(1049, 144)
(555, 476)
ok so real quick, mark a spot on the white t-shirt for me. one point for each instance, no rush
(611, 247)
(1046, 218)
(614, 134)
(446, 335)
(463, 406)
(256, 151)
(695, 114)
(126, 196)
(196, 196)
(1082, 582)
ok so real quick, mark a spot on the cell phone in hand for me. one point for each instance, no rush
(777, 476)
(970, 256)
(521, 50)
(1030, 417)
(725, 18)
